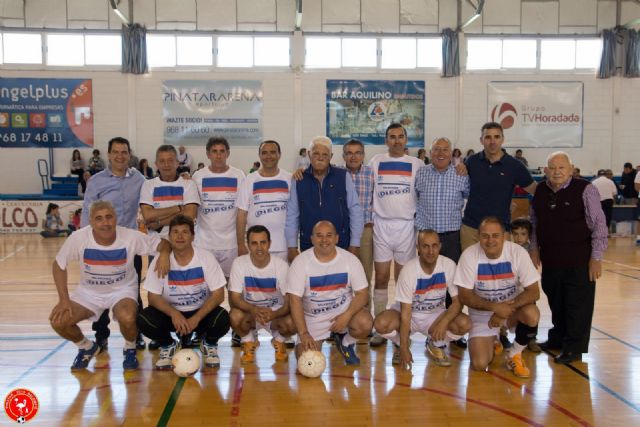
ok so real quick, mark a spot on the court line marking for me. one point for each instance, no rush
(237, 397)
(613, 337)
(37, 364)
(622, 274)
(171, 403)
(632, 267)
(9, 255)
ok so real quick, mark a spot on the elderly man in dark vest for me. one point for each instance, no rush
(569, 239)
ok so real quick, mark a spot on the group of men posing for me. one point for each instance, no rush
(348, 222)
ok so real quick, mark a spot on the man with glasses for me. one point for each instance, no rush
(569, 238)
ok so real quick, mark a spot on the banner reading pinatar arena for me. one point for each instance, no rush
(46, 113)
(195, 110)
(362, 109)
(538, 114)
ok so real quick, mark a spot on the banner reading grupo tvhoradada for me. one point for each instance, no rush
(538, 114)
(46, 113)
(362, 109)
(195, 110)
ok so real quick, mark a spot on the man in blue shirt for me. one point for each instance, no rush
(493, 176)
(120, 185)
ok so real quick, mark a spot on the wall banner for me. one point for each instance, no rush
(362, 109)
(195, 110)
(25, 216)
(46, 113)
(538, 114)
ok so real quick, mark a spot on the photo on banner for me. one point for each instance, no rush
(363, 109)
(46, 113)
(538, 114)
(195, 110)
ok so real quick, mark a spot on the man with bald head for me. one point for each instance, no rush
(328, 291)
(569, 238)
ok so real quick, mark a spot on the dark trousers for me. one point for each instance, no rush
(158, 326)
(571, 297)
(607, 208)
(101, 327)
(451, 248)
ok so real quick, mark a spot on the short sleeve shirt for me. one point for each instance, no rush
(162, 194)
(426, 292)
(262, 287)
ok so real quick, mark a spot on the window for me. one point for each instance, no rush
(103, 49)
(430, 53)
(65, 50)
(22, 48)
(557, 54)
(272, 52)
(484, 54)
(161, 51)
(399, 53)
(322, 52)
(519, 53)
(358, 52)
(588, 53)
(235, 51)
(194, 50)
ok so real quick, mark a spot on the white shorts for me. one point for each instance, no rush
(421, 322)
(320, 327)
(480, 325)
(394, 240)
(225, 258)
(99, 302)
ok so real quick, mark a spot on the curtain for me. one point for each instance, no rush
(632, 54)
(607, 60)
(134, 49)
(450, 53)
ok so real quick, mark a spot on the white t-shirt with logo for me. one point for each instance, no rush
(426, 292)
(187, 287)
(394, 195)
(162, 194)
(106, 269)
(496, 280)
(265, 200)
(326, 288)
(262, 287)
(216, 226)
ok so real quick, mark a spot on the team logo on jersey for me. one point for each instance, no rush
(395, 169)
(227, 185)
(435, 282)
(273, 186)
(191, 277)
(113, 257)
(260, 284)
(329, 282)
(21, 405)
(168, 194)
(499, 271)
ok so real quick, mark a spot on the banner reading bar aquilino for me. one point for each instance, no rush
(538, 114)
(362, 109)
(195, 110)
(46, 113)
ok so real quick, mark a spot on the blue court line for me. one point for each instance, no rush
(616, 339)
(622, 274)
(25, 349)
(38, 337)
(37, 364)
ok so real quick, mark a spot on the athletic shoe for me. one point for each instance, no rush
(347, 351)
(103, 343)
(289, 343)
(395, 360)
(140, 344)
(534, 346)
(130, 361)
(248, 352)
(235, 340)
(377, 341)
(210, 353)
(438, 355)
(84, 357)
(166, 354)
(153, 345)
(281, 350)
(462, 343)
(497, 347)
(517, 366)
(196, 340)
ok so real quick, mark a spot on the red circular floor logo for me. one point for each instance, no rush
(21, 405)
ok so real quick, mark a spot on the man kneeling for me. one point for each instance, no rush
(329, 290)
(420, 305)
(497, 280)
(187, 300)
(108, 280)
(256, 294)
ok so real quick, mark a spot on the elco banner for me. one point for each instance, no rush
(538, 114)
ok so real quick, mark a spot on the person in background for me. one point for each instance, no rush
(96, 164)
(456, 157)
(608, 192)
(184, 160)
(520, 158)
(576, 173)
(133, 161)
(255, 167)
(422, 155)
(303, 161)
(470, 152)
(74, 222)
(629, 193)
(200, 166)
(52, 224)
(77, 168)
(145, 169)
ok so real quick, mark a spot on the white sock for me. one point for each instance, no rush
(516, 349)
(129, 345)
(249, 337)
(84, 344)
(277, 336)
(392, 336)
(438, 344)
(380, 299)
(347, 340)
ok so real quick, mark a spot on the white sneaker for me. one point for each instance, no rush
(166, 353)
(377, 340)
(210, 353)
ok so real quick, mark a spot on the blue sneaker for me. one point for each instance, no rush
(347, 351)
(130, 361)
(84, 357)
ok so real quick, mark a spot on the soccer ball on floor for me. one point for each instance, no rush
(311, 363)
(185, 363)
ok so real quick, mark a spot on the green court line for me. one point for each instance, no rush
(171, 403)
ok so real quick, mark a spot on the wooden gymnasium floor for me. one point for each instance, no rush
(604, 390)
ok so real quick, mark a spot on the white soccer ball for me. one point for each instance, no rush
(185, 363)
(21, 420)
(311, 363)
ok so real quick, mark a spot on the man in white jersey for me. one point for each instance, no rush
(394, 209)
(107, 281)
(420, 305)
(218, 186)
(186, 300)
(328, 292)
(256, 292)
(168, 195)
(263, 199)
(497, 280)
